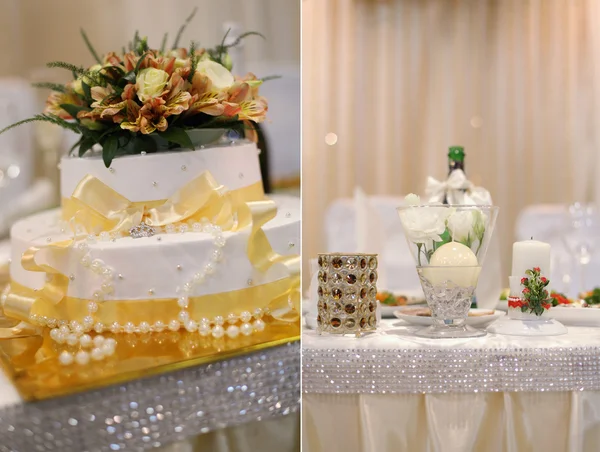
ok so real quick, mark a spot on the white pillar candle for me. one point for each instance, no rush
(529, 254)
(515, 286)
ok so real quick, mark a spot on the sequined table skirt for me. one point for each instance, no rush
(393, 391)
(159, 410)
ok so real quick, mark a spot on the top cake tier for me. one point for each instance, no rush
(157, 176)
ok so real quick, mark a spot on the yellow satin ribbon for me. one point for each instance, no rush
(22, 302)
(100, 207)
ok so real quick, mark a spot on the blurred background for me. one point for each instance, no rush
(34, 32)
(389, 85)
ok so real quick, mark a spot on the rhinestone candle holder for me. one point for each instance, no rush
(347, 293)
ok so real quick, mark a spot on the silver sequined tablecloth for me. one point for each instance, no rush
(150, 413)
(393, 360)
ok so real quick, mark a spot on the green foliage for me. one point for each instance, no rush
(76, 70)
(163, 44)
(178, 136)
(194, 60)
(46, 117)
(220, 51)
(89, 46)
(182, 29)
(593, 297)
(535, 293)
(51, 86)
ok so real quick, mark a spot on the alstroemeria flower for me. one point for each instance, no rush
(107, 105)
(242, 103)
(153, 115)
(204, 98)
(56, 99)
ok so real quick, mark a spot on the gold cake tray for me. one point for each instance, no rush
(32, 362)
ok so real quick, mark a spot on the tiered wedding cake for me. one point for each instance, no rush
(185, 272)
(153, 235)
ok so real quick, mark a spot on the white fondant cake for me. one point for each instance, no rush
(180, 263)
(157, 176)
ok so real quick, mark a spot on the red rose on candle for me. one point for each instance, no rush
(523, 281)
(544, 279)
(526, 290)
(536, 269)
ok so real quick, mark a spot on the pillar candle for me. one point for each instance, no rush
(529, 254)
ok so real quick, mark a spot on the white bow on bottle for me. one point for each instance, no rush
(457, 189)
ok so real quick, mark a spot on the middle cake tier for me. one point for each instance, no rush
(155, 267)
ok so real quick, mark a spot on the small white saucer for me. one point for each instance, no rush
(514, 327)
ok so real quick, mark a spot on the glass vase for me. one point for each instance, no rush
(449, 244)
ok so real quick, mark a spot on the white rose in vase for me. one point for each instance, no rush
(460, 225)
(423, 226)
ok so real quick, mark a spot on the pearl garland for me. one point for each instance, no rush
(74, 334)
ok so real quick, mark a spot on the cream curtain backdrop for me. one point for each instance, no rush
(398, 81)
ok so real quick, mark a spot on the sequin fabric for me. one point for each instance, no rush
(153, 412)
(352, 371)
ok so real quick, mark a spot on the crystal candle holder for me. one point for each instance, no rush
(347, 291)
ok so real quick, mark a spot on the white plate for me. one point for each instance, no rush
(472, 321)
(576, 316)
(414, 299)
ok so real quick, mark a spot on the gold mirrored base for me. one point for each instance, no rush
(32, 362)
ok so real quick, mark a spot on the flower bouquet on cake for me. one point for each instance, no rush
(163, 223)
(529, 298)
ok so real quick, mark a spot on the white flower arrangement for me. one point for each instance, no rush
(429, 226)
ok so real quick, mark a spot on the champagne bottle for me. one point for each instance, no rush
(456, 160)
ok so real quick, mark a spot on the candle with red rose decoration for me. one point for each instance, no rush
(528, 254)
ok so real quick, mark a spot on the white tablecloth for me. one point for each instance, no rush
(391, 391)
(240, 404)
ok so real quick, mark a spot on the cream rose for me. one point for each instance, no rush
(220, 77)
(150, 82)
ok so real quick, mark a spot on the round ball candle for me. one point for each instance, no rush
(453, 254)
(529, 254)
(453, 262)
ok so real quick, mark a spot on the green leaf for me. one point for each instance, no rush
(87, 91)
(52, 86)
(523, 308)
(240, 38)
(89, 46)
(182, 28)
(75, 145)
(144, 143)
(85, 145)
(270, 77)
(163, 44)
(73, 109)
(109, 149)
(178, 136)
(71, 67)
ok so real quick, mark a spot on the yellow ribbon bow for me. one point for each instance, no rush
(100, 208)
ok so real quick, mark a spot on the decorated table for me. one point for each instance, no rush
(391, 390)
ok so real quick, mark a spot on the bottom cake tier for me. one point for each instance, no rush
(194, 276)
